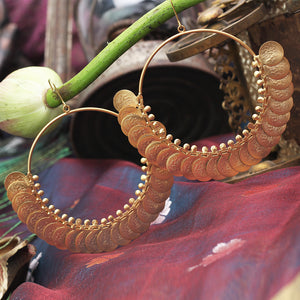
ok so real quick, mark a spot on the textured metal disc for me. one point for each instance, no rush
(41, 224)
(224, 166)
(281, 83)
(144, 141)
(246, 157)
(80, 241)
(186, 167)
(21, 198)
(272, 130)
(48, 232)
(163, 156)
(235, 161)
(135, 223)
(279, 107)
(14, 176)
(281, 95)
(199, 169)
(278, 71)
(270, 53)
(145, 216)
(153, 150)
(136, 132)
(25, 209)
(17, 187)
(276, 120)
(104, 240)
(33, 217)
(59, 236)
(126, 111)
(117, 237)
(160, 173)
(124, 98)
(126, 232)
(256, 149)
(91, 241)
(131, 120)
(173, 163)
(70, 240)
(266, 140)
(161, 185)
(212, 170)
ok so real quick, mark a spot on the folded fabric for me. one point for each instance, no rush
(213, 240)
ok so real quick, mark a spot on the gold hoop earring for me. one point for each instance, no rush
(152, 141)
(66, 232)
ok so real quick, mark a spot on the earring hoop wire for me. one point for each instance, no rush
(141, 81)
(65, 113)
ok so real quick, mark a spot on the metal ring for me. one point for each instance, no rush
(66, 113)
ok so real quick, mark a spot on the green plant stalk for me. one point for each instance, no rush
(116, 48)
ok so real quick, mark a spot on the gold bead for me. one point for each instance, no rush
(213, 148)
(257, 74)
(177, 142)
(238, 137)
(222, 146)
(204, 149)
(110, 218)
(230, 142)
(194, 148)
(35, 177)
(186, 146)
(151, 117)
(71, 220)
(260, 82)
(143, 160)
(57, 211)
(250, 126)
(258, 108)
(40, 192)
(147, 109)
(144, 177)
(45, 200)
(261, 91)
(86, 222)
(254, 64)
(103, 220)
(169, 137)
(141, 185)
(126, 206)
(119, 212)
(144, 169)
(64, 217)
(78, 221)
(137, 192)
(37, 186)
(51, 207)
(94, 222)
(260, 99)
(245, 132)
(255, 117)
(131, 201)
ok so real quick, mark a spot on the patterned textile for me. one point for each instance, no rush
(213, 240)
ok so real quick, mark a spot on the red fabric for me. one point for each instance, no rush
(218, 241)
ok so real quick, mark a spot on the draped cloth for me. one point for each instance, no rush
(213, 240)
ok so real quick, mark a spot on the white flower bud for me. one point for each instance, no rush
(23, 108)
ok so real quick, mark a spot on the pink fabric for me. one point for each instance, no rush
(217, 241)
(30, 17)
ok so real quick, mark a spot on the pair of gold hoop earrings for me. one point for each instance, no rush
(163, 158)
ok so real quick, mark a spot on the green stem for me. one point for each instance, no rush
(116, 48)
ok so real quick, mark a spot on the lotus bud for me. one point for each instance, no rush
(23, 108)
